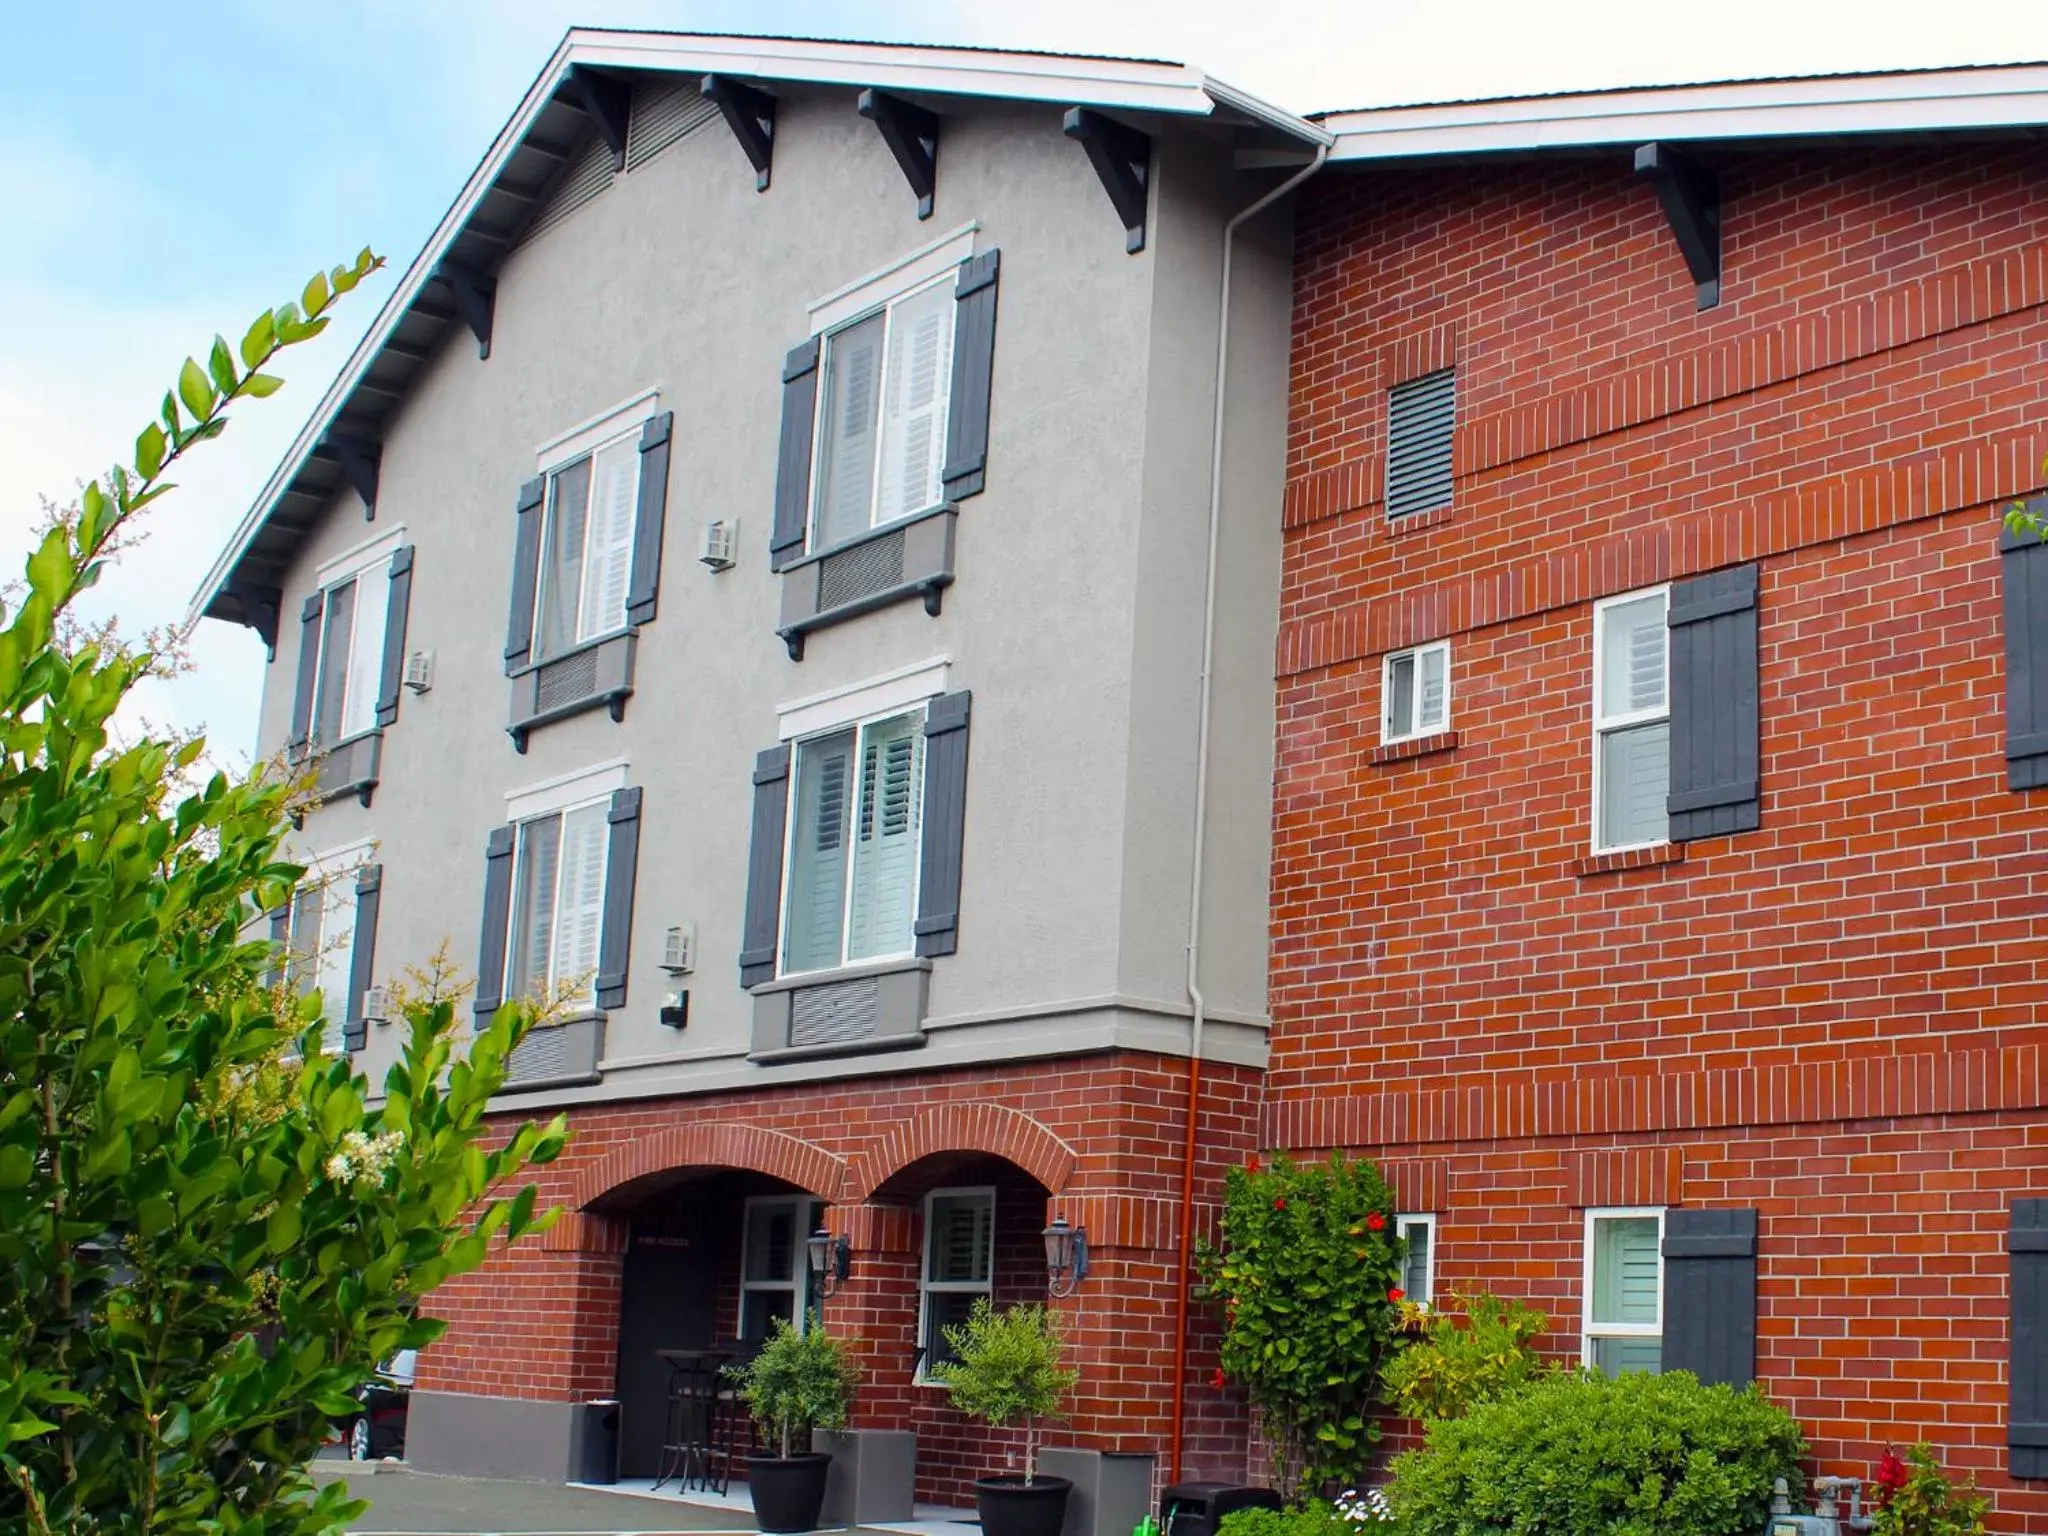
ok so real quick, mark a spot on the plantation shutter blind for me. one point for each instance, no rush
(886, 848)
(1710, 1294)
(621, 875)
(920, 365)
(303, 967)
(332, 965)
(762, 917)
(960, 1240)
(1714, 705)
(1625, 1290)
(2026, 1428)
(490, 962)
(362, 954)
(1421, 415)
(818, 851)
(2023, 574)
(608, 563)
(567, 528)
(397, 607)
(1635, 761)
(579, 904)
(793, 454)
(846, 479)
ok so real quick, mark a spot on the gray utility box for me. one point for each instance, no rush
(871, 1477)
(1111, 1492)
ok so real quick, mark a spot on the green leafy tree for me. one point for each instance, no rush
(797, 1383)
(1009, 1367)
(208, 1238)
(1308, 1279)
(1460, 1362)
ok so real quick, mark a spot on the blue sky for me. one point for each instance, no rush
(170, 171)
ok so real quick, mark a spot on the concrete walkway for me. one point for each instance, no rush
(404, 1503)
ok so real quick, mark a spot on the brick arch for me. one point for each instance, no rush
(1006, 1133)
(716, 1144)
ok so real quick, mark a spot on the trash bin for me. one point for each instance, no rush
(595, 1455)
(1197, 1509)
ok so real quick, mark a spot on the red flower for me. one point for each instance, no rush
(1375, 1222)
(1397, 1294)
(1216, 1378)
(1891, 1472)
(1279, 1202)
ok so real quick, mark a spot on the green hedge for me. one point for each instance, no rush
(1639, 1455)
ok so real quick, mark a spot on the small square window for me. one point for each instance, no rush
(1624, 1296)
(1418, 1265)
(1415, 692)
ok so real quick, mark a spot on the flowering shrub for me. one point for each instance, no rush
(1308, 1281)
(1918, 1500)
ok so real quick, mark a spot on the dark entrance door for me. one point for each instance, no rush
(667, 1300)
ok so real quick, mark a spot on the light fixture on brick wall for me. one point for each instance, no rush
(1066, 1257)
(831, 1260)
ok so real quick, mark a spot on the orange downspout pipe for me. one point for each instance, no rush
(1198, 1005)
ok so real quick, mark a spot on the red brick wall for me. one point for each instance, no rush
(1833, 1018)
(1103, 1134)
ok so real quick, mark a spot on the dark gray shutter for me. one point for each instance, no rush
(2023, 570)
(652, 520)
(793, 456)
(621, 871)
(396, 609)
(763, 924)
(490, 949)
(280, 941)
(1710, 1295)
(1421, 416)
(974, 361)
(2026, 1423)
(362, 956)
(1715, 787)
(309, 674)
(945, 823)
(525, 573)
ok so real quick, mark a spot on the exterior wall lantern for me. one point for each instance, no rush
(831, 1260)
(1066, 1257)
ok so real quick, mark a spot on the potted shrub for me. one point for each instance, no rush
(797, 1383)
(1009, 1368)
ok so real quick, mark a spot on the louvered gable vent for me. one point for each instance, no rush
(1420, 415)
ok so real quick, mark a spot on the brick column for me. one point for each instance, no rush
(875, 1308)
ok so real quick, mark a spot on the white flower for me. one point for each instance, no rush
(362, 1160)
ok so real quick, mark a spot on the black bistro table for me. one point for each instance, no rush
(701, 1439)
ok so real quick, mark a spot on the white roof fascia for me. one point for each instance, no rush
(1929, 100)
(1113, 83)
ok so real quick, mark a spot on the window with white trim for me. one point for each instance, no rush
(320, 942)
(1631, 721)
(351, 667)
(1415, 692)
(1624, 1295)
(586, 550)
(856, 832)
(883, 396)
(1418, 1264)
(775, 1270)
(557, 912)
(959, 1267)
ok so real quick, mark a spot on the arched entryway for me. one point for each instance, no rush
(714, 1252)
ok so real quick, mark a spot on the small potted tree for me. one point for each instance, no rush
(797, 1383)
(1009, 1368)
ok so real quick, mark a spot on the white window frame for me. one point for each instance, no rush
(936, 265)
(858, 725)
(1388, 734)
(1603, 727)
(798, 1286)
(926, 1287)
(543, 574)
(326, 873)
(1427, 1221)
(557, 796)
(351, 565)
(1588, 1333)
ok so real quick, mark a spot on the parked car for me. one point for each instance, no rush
(379, 1430)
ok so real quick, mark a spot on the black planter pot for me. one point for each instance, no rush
(1009, 1506)
(789, 1491)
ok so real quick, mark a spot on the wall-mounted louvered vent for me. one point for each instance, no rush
(1420, 415)
(663, 112)
(840, 1011)
(867, 568)
(564, 682)
(588, 173)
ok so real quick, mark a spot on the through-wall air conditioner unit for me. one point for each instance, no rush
(376, 1005)
(721, 538)
(419, 671)
(679, 949)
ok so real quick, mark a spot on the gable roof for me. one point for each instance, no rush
(525, 163)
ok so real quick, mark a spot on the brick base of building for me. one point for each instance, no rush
(1097, 1140)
